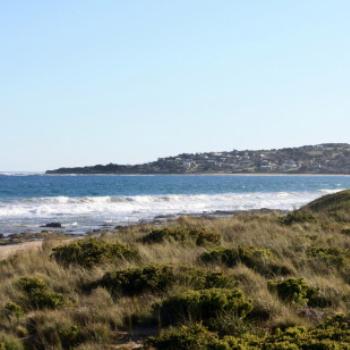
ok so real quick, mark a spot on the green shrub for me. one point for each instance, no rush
(91, 252)
(13, 310)
(10, 342)
(45, 333)
(197, 337)
(203, 305)
(259, 259)
(37, 294)
(158, 279)
(316, 300)
(334, 334)
(228, 257)
(229, 323)
(331, 256)
(346, 231)
(260, 313)
(202, 279)
(295, 290)
(298, 217)
(191, 337)
(137, 280)
(182, 233)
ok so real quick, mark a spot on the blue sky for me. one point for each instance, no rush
(85, 82)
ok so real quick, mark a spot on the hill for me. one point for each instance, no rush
(330, 158)
(331, 203)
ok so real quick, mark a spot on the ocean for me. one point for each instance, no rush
(83, 203)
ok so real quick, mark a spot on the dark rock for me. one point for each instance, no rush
(53, 225)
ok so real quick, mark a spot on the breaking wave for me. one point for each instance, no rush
(87, 212)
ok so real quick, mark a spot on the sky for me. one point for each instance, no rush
(91, 82)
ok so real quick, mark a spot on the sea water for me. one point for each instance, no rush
(82, 203)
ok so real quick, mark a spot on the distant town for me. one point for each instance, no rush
(328, 158)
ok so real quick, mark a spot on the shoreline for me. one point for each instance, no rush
(194, 174)
(15, 242)
(9, 173)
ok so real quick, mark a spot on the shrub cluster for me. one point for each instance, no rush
(203, 279)
(12, 311)
(296, 291)
(158, 279)
(9, 342)
(44, 333)
(298, 217)
(259, 259)
(182, 233)
(91, 252)
(332, 257)
(193, 337)
(331, 335)
(137, 280)
(203, 305)
(37, 295)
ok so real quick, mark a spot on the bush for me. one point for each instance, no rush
(332, 335)
(45, 333)
(197, 337)
(192, 337)
(229, 323)
(10, 342)
(346, 231)
(203, 305)
(332, 257)
(91, 252)
(137, 280)
(158, 279)
(202, 279)
(228, 257)
(181, 233)
(298, 217)
(37, 294)
(295, 290)
(259, 259)
(13, 310)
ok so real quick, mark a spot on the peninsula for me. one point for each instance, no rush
(327, 158)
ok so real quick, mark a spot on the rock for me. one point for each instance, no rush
(53, 225)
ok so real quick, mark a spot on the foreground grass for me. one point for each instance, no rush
(250, 281)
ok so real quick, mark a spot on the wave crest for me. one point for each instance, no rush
(145, 206)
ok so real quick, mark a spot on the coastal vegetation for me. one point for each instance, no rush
(256, 280)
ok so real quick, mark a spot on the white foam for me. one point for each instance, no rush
(134, 208)
(80, 214)
(20, 173)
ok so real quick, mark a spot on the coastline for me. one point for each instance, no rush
(194, 174)
(14, 243)
(131, 281)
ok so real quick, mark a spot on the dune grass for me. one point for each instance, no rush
(248, 281)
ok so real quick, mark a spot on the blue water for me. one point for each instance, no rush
(82, 203)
